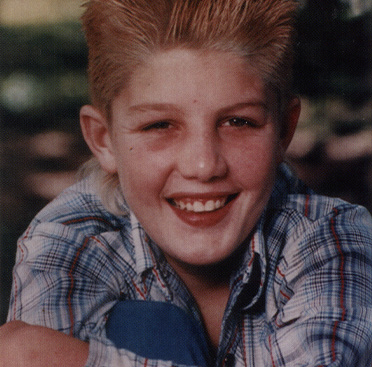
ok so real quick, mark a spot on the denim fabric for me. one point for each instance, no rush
(157, 330)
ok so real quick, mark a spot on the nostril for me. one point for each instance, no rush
(200, 158)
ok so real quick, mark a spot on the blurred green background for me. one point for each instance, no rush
(43, 84)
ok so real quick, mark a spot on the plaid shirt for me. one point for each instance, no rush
(301, 297)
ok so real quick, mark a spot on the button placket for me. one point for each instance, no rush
(229, 360)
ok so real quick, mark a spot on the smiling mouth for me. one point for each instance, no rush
(201, 205)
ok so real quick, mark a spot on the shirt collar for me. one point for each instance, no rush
(248, 281)
(255, 257)
(144, 257)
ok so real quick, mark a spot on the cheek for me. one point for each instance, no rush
(253, 161)
(142, 172)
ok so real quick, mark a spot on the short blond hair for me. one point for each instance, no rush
(122, 34)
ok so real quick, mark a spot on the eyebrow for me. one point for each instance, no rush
(161, 107)
(242, 105)
(153, 107)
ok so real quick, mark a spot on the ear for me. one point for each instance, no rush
(289, 123)
(96, 133)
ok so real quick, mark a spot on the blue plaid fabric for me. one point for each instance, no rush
(302, 295)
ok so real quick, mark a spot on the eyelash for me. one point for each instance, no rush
(160, 125)
(238, 122)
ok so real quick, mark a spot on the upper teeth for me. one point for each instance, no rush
(199, 207)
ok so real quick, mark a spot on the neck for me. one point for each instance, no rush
(210, 287)
(199, 278)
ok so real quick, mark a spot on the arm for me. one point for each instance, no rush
(35, 346)
(22, 344)
(68, 284)
(324, 295)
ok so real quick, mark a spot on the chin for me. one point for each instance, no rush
(204, 257)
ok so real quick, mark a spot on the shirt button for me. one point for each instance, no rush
(229, 360)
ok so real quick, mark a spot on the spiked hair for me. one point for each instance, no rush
(121, 34)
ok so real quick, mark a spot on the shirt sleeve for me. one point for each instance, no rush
(102, 354)
(323, 293)
(69, 282)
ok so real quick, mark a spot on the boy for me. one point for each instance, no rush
(187, 213)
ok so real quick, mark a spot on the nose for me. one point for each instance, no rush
(200, 157)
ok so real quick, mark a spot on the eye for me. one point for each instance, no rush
(239, 122)
(159, 125)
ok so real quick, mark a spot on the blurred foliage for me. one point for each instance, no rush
(334, 53)
(42, 86)
(42, 75)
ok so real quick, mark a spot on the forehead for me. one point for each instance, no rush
(182, 76)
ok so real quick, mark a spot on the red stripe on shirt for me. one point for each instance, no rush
(280, 273)
(285, 295)
(271, 352)
(253, 248)
(156, 272)
(139, 290)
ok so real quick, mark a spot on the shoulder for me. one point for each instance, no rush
(299, 222)
(308, 213)
(317, 244)
(323, 239)
(76, 220)
(80, 208)
(298, 209)
(75, 231)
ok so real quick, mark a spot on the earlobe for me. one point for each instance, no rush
(97, 135)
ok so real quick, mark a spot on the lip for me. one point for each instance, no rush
(208, 217)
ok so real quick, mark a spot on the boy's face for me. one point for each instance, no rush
(195, 141)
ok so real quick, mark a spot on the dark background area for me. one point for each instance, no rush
(43, 85)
